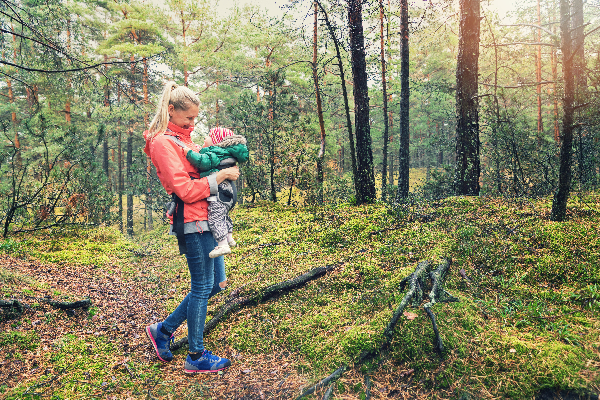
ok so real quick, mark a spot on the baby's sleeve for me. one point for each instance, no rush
(202, 161)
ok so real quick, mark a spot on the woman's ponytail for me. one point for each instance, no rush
(180, 96)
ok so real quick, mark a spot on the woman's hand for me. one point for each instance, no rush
(231, 173)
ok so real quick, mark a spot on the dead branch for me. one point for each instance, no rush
(11, 309)
(328, 392)
(85, 304)
(414, 297)
(324, 382)
(261, 296)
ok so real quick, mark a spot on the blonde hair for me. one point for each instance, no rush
(180, 96)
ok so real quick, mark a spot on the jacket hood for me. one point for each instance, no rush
(231, 141)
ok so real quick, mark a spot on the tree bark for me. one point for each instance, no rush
(129, 182)
(467, 128)
(403, 154)
(554, 62)
(561, 196)
(120, 184)
(365, 184)
(384, 168)
(321, 155)
(585, 148)
(538, 76)
(149, 219)
(344, 94)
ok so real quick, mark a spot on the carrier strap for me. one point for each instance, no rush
(178, 223)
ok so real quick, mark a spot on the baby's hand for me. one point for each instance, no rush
(186, 149)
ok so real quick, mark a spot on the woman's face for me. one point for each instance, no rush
(183, 118)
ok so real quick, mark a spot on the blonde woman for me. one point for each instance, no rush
(168, 135)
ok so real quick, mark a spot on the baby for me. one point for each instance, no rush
(222, 149)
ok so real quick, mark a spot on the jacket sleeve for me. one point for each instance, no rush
(202, 161)
(242, 153)
(168, 158)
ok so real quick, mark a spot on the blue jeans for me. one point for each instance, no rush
(206, 274)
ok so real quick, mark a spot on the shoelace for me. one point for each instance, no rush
(209, 355)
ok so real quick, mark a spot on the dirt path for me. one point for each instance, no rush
(122, 307)
(122, 310)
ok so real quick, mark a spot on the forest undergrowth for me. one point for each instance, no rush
(527, 321)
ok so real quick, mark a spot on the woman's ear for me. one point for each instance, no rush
(171, 109)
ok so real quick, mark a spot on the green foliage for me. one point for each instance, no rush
(98, 247)
(18, 341)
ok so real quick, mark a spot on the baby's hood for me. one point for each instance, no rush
(232, 140)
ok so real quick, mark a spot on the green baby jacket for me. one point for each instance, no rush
(208, 158)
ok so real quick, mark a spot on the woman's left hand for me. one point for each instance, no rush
(231, 173)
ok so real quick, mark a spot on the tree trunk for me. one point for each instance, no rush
(120, 181)
(344, 94)
(129, 182)
(538, 76)
(404, 142)
(272, 144)
(365, 182)
(385, 109)
(559, 203)
(321, 155)
(585, 161)
(467, 113)
(149, 219)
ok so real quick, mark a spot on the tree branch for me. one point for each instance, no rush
(549, 32)
(59, 71)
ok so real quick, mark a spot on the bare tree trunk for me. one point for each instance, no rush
(365, 184)
(344, 93)
(321, 155)
(120, 181)
(467, 113)
(554, 62)
(538, 76)
(585, 148)
(149, 219)
(385, 109)
(68, 94)
(129, 185)
(105, 138)
(272, 143)
(130, 156)
(404, 142)
(559, 203)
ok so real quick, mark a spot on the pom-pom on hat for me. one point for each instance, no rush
(218, 134)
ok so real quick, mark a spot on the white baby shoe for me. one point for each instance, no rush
(220, 251)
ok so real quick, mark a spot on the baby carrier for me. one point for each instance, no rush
(175, 207)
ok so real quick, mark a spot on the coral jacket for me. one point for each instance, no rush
(176, 173)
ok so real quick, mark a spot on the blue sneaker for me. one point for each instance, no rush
(207, 362)
(160, 341)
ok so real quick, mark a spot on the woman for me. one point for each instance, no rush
(166, 138)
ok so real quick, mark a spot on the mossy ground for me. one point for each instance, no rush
(527, 318)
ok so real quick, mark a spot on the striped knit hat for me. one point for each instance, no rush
(218, 134)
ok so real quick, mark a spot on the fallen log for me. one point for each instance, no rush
(259, 297)
(11, 309)
(66, 305)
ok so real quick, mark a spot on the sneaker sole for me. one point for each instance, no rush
(203, 371)
(154, 344)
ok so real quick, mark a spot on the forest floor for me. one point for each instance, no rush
(526, 326)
